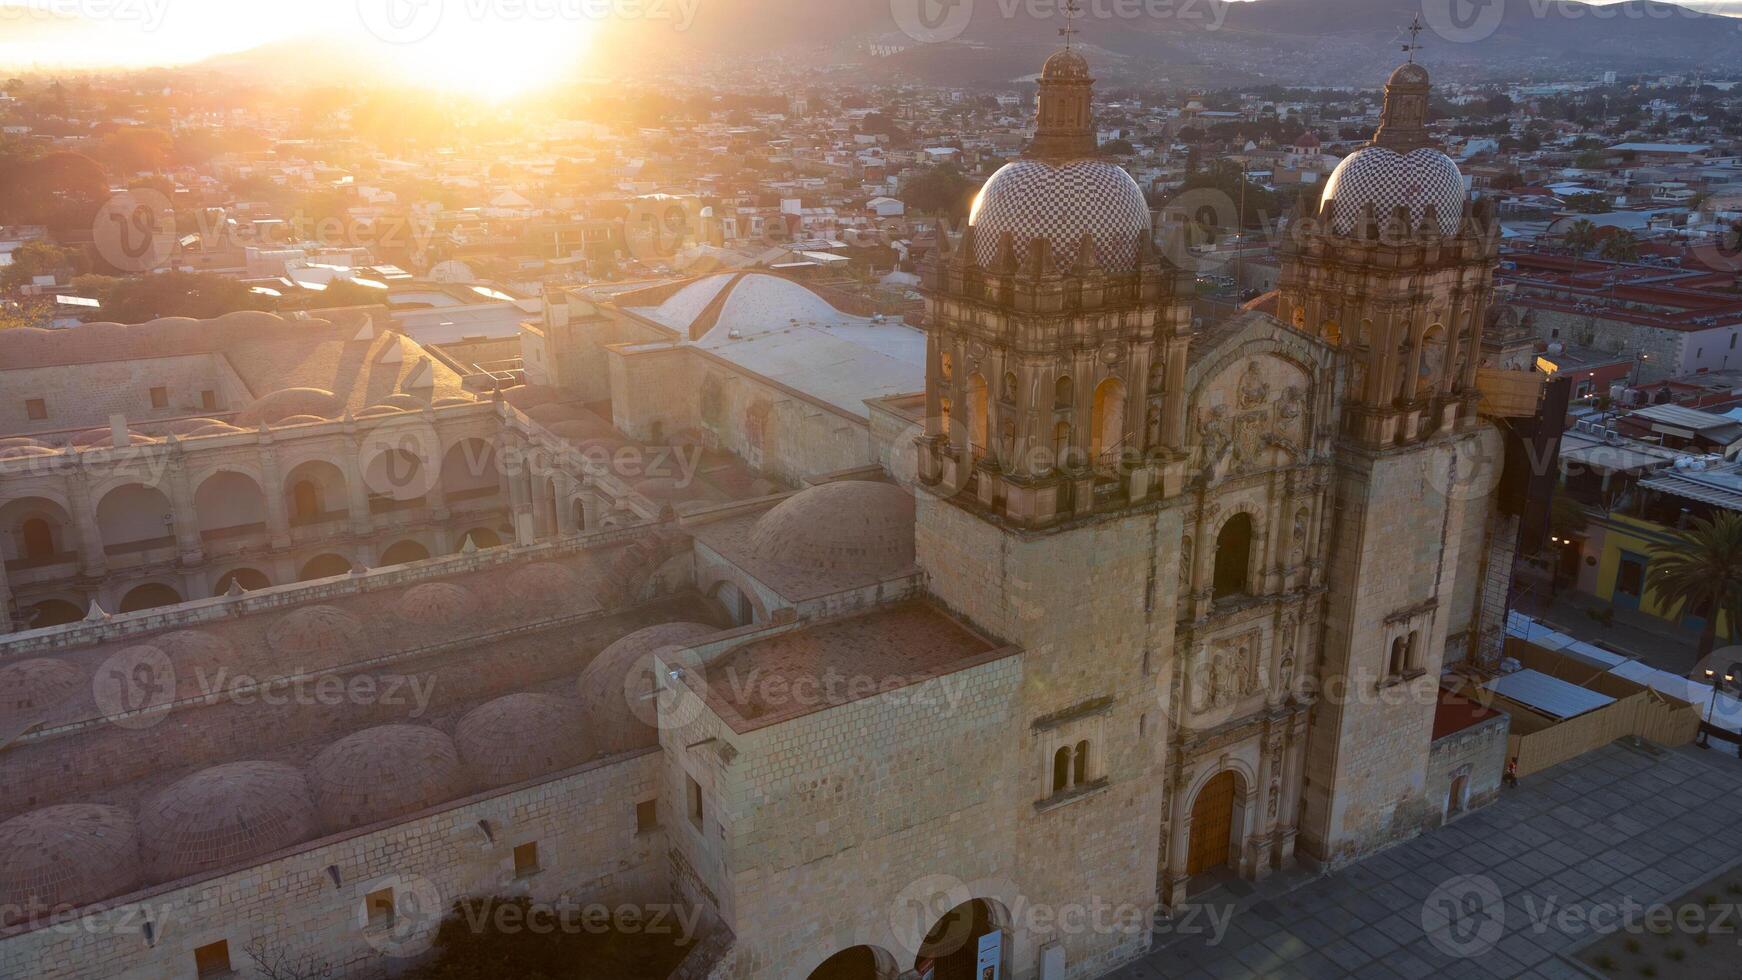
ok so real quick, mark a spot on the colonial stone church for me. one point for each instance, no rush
(974, 667)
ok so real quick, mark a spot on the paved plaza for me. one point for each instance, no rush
(1498, 893)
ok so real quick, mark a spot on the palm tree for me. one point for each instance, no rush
(1580, 236)
(1702, 570)
(1622, 246)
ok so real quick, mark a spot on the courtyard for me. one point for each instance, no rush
(1571, 856)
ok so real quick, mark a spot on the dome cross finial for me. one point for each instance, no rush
(1414, 44)
(1069, 31)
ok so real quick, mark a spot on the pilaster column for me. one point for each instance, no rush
(277, 514)
(1174, 879)
(1287, 812)
(1256, 861)
(356, 490)
(565, 508)
(6, 621)
(181, 502)
(520, 495)
(90, 535)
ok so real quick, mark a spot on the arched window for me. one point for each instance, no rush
(1061, 444)
(1412, 651)
(1061, 770)
(1398, 647)
(1233, 557)
(1080, 764)
(38, 537)
(1062, 394)
(977, 409)
(305, 501)
(1107, 425)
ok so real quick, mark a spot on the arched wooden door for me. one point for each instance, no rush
(1212, 824)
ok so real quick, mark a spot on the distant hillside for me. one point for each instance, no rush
(1310, 41)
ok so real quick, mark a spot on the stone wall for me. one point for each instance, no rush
(83, 396)
(589, 850)
(1394, 566)
(774, 429)
(1478, 754)
(854, 824)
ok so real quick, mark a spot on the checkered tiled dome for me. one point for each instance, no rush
(1384, 178)
(1061, 202)
(65, 856)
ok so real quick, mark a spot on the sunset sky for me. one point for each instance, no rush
(491, 46)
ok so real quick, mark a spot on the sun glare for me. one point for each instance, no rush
(493, 59)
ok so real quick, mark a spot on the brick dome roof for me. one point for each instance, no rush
(520, 736)
(849, 525)
(384, 772)
(286, 402)
(30, 686)
(618, 721)
(1061, 202)
(20, 452)
(66, 856)
(222, 816)
(543, 583)
(437, 603)
(314, 629)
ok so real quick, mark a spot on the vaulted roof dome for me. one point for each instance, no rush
(384, 772)
(615, 716)
(520, 736)
(286, 402)
(437, 603)
(314, 629)
(1061, 202)
(848, 525)
(35, 685)
(64, 857)
(223, 815)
